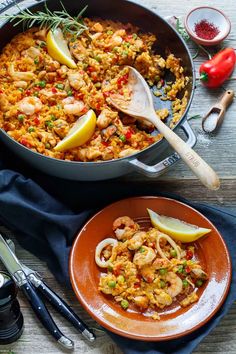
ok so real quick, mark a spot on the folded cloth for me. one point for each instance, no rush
(46, 226)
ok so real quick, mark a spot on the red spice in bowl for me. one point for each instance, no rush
(206, 30)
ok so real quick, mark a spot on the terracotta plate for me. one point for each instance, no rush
(176, 321)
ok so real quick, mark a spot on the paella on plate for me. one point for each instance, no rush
(41, 99)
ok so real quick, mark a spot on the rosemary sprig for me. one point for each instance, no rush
(180, 28)
(50, 19)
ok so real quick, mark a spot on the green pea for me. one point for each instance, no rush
(69, 93)
(36, 60)
(53, 117)
(127, 44)
(120, 279)
(180, 269)
(124, 304)
(112, 284)
(199, 283)
(60, 86)
(142, 250)
(122, 138)
(184, 263)
(42, 83)
(135, 36)
(125, 53)
(36, 93)
(49, 124)
(47, 146)
(21, 117)
(21, 89)
(163, 271)
(109, 32)
(173, 253)
(31, 129)
(162, 283)
(99, 59)
(185, 283)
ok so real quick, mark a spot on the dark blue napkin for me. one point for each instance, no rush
(45, 216)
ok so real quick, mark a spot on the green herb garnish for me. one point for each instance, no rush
(49, 19)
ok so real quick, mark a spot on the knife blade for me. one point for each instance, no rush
(14, 268)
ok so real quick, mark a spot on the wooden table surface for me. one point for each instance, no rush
(219, 151)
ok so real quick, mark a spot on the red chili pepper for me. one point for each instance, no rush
(54, 90)
(36, 120)
(78, 95)
(188, 269)
(117, 270)
(91, 69)
(215, 71)
(136, 285)
(128, 134)
(122, 80)
(189, 255)
(28, 92)
(25, 142)
(105, 143)
(1, 91)
(107, 93)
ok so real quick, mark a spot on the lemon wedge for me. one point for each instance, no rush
(58, 48)
(81, 132)
(177, 229)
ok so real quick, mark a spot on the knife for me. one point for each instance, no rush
(15, 269)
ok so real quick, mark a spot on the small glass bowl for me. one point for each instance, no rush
(212, 15)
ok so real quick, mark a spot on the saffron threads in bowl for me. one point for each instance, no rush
(206, 30)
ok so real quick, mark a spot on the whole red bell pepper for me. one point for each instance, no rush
(218, 69)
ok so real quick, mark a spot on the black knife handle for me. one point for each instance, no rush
(44, 316)
(64, 309)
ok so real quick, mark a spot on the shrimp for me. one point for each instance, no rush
(124, 227)
(75, 80)
(137, 240)
(72, 106)
(148, 272)
(144, 256)
(175, 286)
(19, 76)
(30, 105)
(105, 118)
(116, 38)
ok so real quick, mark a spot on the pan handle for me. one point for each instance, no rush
(162, 166)
(6, 5)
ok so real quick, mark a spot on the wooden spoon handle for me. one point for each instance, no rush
(199, 167)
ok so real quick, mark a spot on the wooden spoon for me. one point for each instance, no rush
(141, 106)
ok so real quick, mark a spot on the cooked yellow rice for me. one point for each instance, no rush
(35, 90)
(147, 271)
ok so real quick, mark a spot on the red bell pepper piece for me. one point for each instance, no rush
(215, 71)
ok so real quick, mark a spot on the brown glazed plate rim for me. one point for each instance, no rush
(84, 273)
